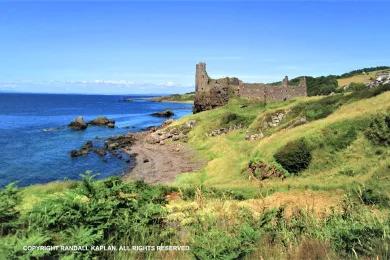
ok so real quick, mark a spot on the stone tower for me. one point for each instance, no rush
(303, 86)
(285, 82)
(201, 77)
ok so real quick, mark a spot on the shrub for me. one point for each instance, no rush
(371, 196)
(356, 231)
(368, 93)
(378, 131)
(9, 199)
(230, 119)
(103, 212)
(294, 156)
(318, 109)
(356, 86)
(214, 239)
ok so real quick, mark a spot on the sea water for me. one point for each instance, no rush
(35, 141)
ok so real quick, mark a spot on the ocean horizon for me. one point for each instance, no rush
(36, 140)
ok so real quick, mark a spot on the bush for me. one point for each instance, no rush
(294, 156)
(378, 131)
(214, 239)
(370, 196)
(315, 110)
(9, 199)
(368, 92)
(357, 86)
(230, 119)
(355, 231)
(95, 212)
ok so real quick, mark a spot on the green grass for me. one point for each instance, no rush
(335, 136)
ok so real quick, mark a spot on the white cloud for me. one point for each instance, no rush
(98, 86)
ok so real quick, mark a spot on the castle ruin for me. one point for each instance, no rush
(211, 93)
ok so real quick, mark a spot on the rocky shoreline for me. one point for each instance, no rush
(160, 153)
(159, 159)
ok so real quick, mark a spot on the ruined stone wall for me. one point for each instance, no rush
(285, 91)
(253, 91)
(211, 93)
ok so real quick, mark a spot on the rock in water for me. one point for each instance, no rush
(78, 123)
(166, 113)
(84, 150)
(102, 121)
(119, 142)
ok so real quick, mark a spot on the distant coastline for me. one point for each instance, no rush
(176, 98)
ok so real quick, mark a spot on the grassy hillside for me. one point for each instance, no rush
(303, 179)
(229, 154)
(359, 77)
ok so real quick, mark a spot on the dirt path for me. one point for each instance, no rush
(156, 163)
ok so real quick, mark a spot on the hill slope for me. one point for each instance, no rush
(359, 77)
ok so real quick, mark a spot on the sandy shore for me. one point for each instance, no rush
(156, 163)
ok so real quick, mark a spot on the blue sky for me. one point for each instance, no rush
(152, 46)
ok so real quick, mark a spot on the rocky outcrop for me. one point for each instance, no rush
(102, 121)
(262, 171)
(119, 142)
(224, 130)
(84, 150)
(165, 113)
(78, 124)
(113, 145)
(163, 134)
(276, 118)
(380, 79)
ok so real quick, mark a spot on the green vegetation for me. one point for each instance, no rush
(231, 119)
(321, 85)
(8, 213)
(356, 86)
(294, 156)
(355, 80)
(91, 213)
(365, 70)
(330, 200)
(379, 130)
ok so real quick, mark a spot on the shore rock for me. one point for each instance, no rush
(167, 122)
(84, 150)
(78, 124)
(102, 121)
(119, 142)
(166, 113)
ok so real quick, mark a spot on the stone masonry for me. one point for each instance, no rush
(211, 93)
